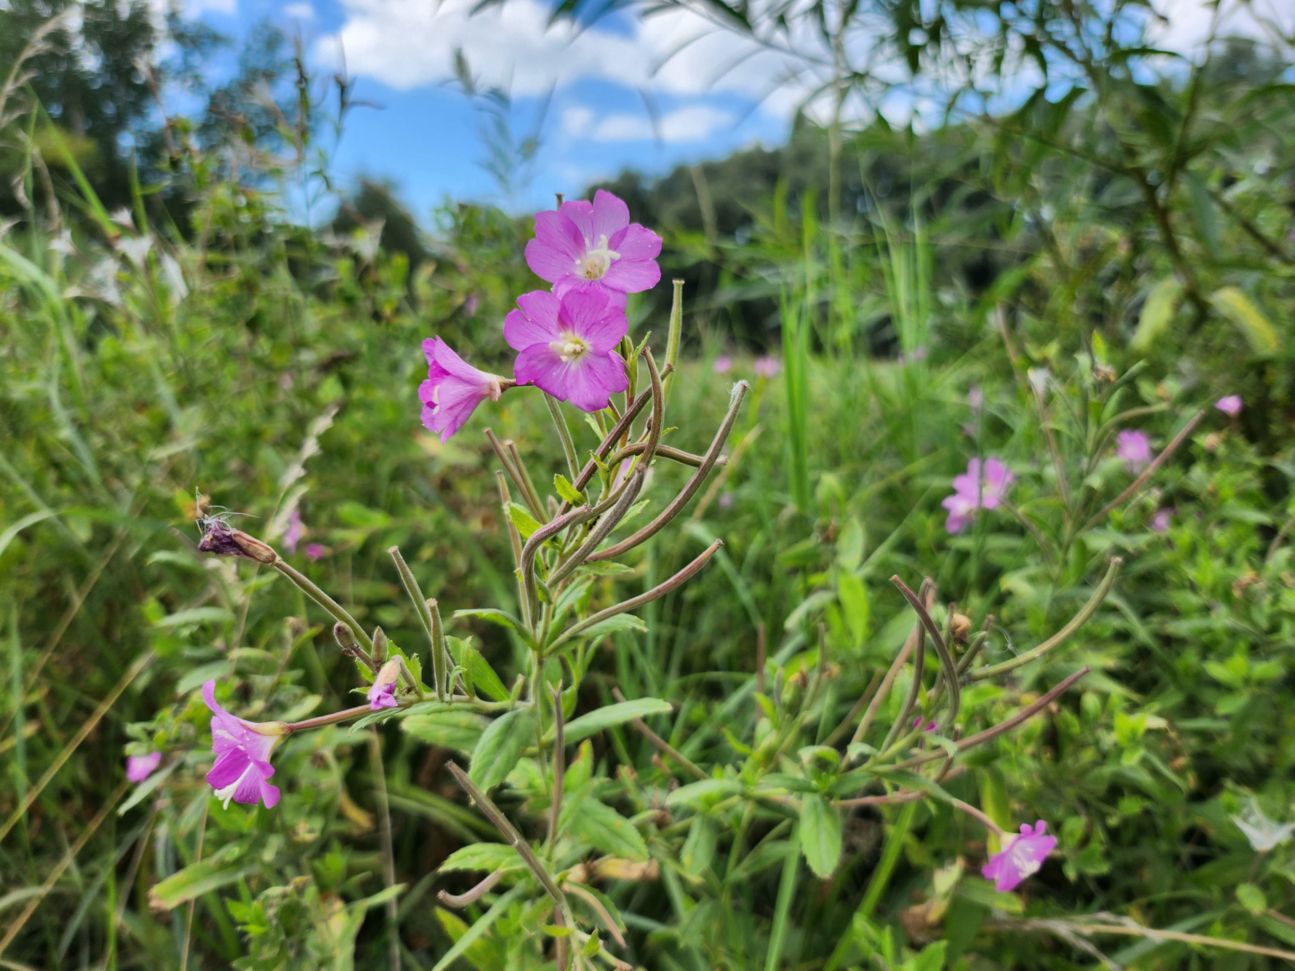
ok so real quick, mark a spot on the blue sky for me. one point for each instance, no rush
(646, 93)
(603, 98)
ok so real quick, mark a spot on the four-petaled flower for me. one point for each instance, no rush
(1020, 857)
(568, 345)
(1134, 448)
(1230, 405)
(453, 389)
(242, 751)
(140, 767)
(974, 490)
(582, 243)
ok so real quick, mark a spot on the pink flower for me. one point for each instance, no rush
(242, 751)
(767, 367)
(140, 767)
(976, 490)
(1230, 405)
(594, 242)
(382, 693)
(723, 364)
(1161, 520)
(1134, 448)
(453, 389)
(568, 345)
(296, 529)
(930, 726)
(1020, 857)
(315, 551)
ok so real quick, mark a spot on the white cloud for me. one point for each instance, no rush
(692, 123)
(1185, 25)
(409, 43)
(299, 11)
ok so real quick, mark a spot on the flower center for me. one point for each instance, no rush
(597, 260)
(570, 347)
(1023, 861)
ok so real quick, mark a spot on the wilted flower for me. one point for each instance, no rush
(567, 345)
(767, 366)
(1134, 448)
(1230, 405)
(974, 490)
(223, 539)
(140, 767)
(242, 751)
(583, 242)
(382, 693)
(1161, 520)
(723, 364)
(453, 389)
(1021, 856)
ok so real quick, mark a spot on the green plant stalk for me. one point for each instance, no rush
(674, 333)
(1061, 636)
(429, 620)
(308, 587)
(564, 434)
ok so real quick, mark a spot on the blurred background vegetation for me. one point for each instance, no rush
(172, 323)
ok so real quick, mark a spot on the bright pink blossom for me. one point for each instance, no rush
(568, 345)
(140, 767)
(1021, 856)
(242, 751)
(1134, 448)
(453, 389)
(582, 243)
(974, 490)
(1230, 405)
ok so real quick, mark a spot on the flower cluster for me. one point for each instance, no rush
(566, 338)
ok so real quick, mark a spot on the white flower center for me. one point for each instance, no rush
(1023, 861)
(597, 260)
(570, 347)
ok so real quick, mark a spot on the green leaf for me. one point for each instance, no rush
(704, 793)
(482, 856)
(1157, 311)
(500, 617)
(849, 546)
(1204, 213)
(617, 714)
(481, 676)
(1252, 898)
(569, 493)
(452, 728)
(501, 746)
(1237, 307)
(604, 829)
(196, 615)
(854, 604)
(526, 523)
(615, 625)
(820, 835)
(199, 879)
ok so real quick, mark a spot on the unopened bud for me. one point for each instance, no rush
(379, 645)
(388, 673)
(345, 639)
(223, 540)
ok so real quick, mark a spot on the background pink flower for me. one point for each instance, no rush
(1161, 520)
(594, 242)
(723, 364)
(568, 346)
(453, 389)
(140, 767)
(1230, 405)
(767, 367)
(1134, 447)
(974, 490)
(1020, 857)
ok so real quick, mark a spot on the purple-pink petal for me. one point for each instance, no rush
(557, 248)
(1230, 405)
(1134, 447)
(242, 753)
(584, 242)
(453, 389)
(382, 696)
(535, 321)
(1021, 856)
(588, 315)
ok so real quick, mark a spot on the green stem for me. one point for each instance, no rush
(308, 587)
(564, 434)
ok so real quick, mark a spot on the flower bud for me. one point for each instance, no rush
(961, 627)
